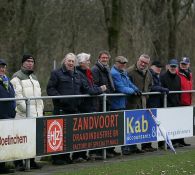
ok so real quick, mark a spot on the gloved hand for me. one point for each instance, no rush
(165, 91)
(138, 92)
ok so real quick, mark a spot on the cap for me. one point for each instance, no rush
(185, 60)
(121, 59)
(157, 64)
(26, 57)
(2, 62)
(173, 62)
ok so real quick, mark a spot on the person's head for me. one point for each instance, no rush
(156, 66)
(143, 62)
(104, 57)
(69, 61)
(184, 63)
(28, 62)
(3, 67)
(121, 62)
(83, 60)
(172, 66)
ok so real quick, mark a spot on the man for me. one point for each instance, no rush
(186, 84)
(102, 76)
(26, 85)
(124, 85)
(7, 108)
(156, 101)
(142, 78)
(172, 81)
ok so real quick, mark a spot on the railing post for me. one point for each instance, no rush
(104, 110)
(27, 161)
(165, 106)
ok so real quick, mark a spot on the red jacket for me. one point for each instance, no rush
(186, 84)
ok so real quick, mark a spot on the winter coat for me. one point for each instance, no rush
(88, 104)
(156, 101)
(173, 83)
(186, 84)
(143, 82)
(27, 85)
(102, 76)
(122, 84)
(7, 108)
(65, 82)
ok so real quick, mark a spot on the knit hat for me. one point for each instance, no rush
(26, 57)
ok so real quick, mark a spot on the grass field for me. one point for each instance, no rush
(166, 164)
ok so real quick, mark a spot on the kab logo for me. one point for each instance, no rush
(54, 135)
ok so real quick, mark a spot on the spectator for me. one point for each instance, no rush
(102, 76)
(172, 81)
(26, 85)
(142, 78)
(7, 108)
(156, 101)
(186, 84)
(124, 85)
(87, 104)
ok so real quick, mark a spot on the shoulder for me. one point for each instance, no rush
(131, 69)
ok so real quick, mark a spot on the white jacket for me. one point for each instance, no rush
(27, 87)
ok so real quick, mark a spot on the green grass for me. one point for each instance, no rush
(167, 164)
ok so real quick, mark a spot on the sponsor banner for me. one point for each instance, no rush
(79, 132)
(139, 126)
(178, 122)
(17, 139)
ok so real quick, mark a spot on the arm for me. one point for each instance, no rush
(52, 84)
(21, 105)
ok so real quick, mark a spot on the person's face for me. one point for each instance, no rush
(2, 69)
(86, 64)
(69, 63)
(104, 59)
(184, 66)
(143, 63)
(172, 69)
(121, 66)
(156, 69)
(29, 64)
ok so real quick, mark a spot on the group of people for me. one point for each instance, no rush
(74, 77)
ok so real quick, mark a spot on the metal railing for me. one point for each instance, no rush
(103, 96)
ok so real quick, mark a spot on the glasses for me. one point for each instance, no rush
(173, 66)
(144, 62)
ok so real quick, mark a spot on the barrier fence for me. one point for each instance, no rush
(51, 135)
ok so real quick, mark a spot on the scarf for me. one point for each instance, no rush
(5, 81)
(25, 71)
(89, 76)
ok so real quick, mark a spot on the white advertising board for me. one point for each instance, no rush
(178, 122)
(17, 139)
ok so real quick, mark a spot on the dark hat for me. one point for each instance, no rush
(121, 59)
(2, 62)
(173, 62)
(185, 60)
(26, 57)
(157, 64)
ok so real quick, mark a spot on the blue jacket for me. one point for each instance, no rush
(122, 84)
(7, 108)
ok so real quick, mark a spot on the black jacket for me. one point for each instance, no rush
(156, 101)
(7, 108)
(88, 104)
(64, 82)
(102, 76)
(173, 83)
